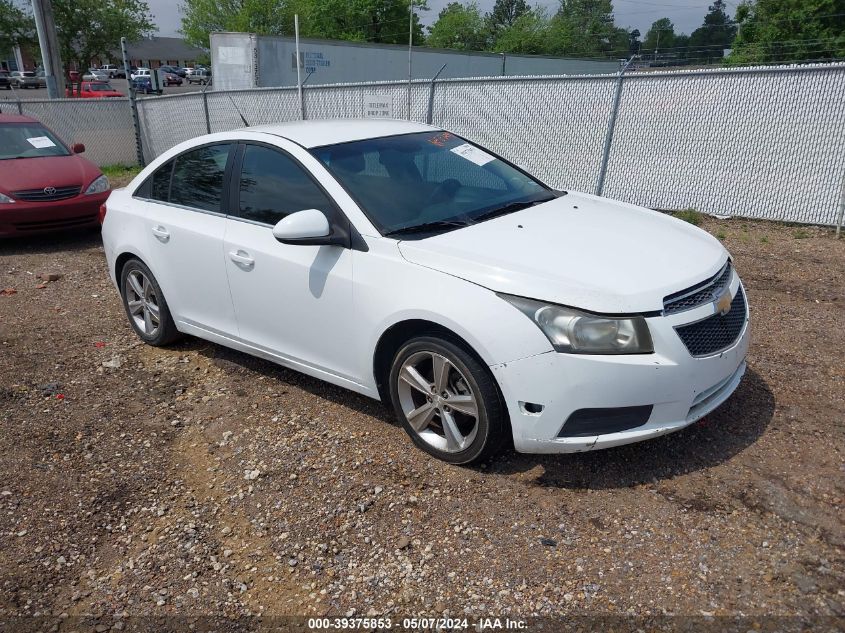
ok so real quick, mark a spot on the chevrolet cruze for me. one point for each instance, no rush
(411, 265)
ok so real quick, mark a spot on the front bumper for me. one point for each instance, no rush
(27, 218)
(680, 388)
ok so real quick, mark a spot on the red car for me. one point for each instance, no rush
(93, 90)
(44, 184)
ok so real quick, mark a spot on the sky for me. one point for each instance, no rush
(686, 15)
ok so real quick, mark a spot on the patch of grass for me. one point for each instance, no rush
(801, 234)
(764, 240)
(120, 175)
(693, 216)
(721, 235)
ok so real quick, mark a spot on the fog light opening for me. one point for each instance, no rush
(531, 408)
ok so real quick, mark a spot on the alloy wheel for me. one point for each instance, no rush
(143, 303)
(438, 401)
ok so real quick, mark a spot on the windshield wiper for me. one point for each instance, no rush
(510, 207)
(429, 226)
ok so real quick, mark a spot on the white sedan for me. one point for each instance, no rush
(411, 265)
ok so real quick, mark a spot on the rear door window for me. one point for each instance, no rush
(198, 177)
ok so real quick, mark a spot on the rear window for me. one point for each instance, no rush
(29, 140)
(28, 74)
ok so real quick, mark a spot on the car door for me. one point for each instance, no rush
(185, 216)
(293, 301)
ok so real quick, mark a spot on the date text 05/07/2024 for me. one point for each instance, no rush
(416, 624)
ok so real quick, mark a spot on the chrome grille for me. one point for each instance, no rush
(705, 292)
(48, 194)
(715, 333)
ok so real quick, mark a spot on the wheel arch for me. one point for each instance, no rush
(397, 335)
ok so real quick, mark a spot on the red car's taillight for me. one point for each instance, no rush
(101, 216)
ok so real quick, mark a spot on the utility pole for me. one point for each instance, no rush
(45, 24)
(410, 47)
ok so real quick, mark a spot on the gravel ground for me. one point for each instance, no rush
(196, 480)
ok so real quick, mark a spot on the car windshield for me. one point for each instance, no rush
(428, 182)
(29, 140)
(100, 87)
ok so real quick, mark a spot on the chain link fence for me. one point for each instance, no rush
(765, 142)
(103, 125)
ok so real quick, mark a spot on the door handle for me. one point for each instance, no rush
(161, 233)
(242, 258)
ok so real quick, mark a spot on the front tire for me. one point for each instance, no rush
(447, 401)
(146, 306)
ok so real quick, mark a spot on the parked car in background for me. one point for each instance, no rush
(93, 90)
(171, 79)
(187, 71)
(44, 184)
(95, 74)
(411, 265)
(5, 82)
(24, 79)
(114, 71)
(180, 72)
(145, 85)
(140, 72)
(199, 76)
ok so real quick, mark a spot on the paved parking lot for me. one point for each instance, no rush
(35, 94)
(196, 480)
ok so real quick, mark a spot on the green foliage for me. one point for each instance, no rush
(383, 21)
(660, 36)
(801, 234)
(585, 28)
(527, 35)
(690, 215)
(16, 26)
(505, 14)
(461, 27)
(789, 30)
(708, 42)
(93, 28)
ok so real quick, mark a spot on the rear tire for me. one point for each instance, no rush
(145, 305)
(447, 400)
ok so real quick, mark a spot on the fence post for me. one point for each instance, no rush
(841, 208)
(430, 114)
(205, 108)
(133, 105)
(611, 125)
(20, 106)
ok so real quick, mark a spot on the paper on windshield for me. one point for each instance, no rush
(41, 141)
(473, 154)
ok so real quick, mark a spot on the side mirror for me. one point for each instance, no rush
(78, 148)
(303, 227)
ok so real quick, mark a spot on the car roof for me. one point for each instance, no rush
(16, 118)
(311, 134)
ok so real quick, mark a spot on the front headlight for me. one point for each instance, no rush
(100, 185)
(4, 199)
(578, 332)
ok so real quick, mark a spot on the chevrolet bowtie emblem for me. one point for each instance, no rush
(723, 303)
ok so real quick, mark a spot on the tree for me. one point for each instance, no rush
(660, 36)
(93, 28)
(586, 28)
(361, 20)
(504, 15)
(458, 26)
(528, 34)
(789, 31)
(203, 17)
(709, 41)
(16, 26)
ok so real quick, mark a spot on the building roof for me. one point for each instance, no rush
(162, 48)
(328, 132)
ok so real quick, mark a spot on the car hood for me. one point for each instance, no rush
(577, 250)
(18, 174)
